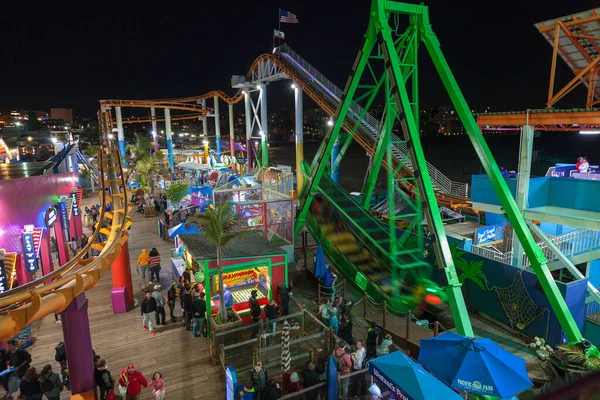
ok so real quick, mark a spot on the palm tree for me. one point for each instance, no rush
(145, 165)
(221, 227)
(468, 271)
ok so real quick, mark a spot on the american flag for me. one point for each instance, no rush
(287, 17)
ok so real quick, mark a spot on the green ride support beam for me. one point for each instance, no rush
(536, 257)
(334, 134)
(434, 220)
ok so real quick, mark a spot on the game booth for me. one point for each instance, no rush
(263, 207)
(249, 264)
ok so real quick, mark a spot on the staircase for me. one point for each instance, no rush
(368, 123)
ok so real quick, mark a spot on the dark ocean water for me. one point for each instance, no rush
(456, 158)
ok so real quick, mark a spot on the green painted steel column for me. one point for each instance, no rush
(334, 134)
(434, 220)
(536, 257)
(526, 150)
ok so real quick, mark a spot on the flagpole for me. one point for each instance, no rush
(279, 21)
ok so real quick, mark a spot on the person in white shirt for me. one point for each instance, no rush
(359, 388)
(73, 246)
(584, 167)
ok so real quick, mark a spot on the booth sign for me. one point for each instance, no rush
(50, 217)
(31, 263)
(395, 390)
(489, 235)
(3, 278)
(75, 204)
(64, 217)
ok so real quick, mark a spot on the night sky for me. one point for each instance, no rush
(72, 53)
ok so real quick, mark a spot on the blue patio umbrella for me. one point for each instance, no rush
(405, 378)
(320, 263)
(474, 365)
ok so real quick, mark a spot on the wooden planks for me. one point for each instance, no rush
(120, 339)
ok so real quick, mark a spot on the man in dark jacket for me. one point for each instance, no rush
(187, 307)
(18, 358)
(372, 334)
(148, 310)
(345, 330)
(199, 315)
(259, 378)
(171, 299)
(310, 378)
(272, 312)
(255, 309)
(284, 294)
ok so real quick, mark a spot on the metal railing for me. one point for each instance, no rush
(569, 244)
(372, 126)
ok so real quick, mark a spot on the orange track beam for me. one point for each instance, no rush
(550, 118)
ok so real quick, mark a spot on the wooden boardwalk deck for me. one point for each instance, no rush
(119, 338)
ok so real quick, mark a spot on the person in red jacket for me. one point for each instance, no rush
(132, 380)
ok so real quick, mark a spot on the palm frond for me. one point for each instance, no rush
(221, 226)
(592, 364)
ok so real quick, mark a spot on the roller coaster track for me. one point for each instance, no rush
(53, 292)
(362, 136)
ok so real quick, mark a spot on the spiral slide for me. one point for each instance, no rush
(52, 293)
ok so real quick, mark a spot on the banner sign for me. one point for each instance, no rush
(230, 383)
(64, 217)
(75, 204)
(241, 160)
(489, 235)
(3, 278)
(31, 261)
(392, 387)
(50, 217)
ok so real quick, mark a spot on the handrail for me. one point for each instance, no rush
(569, 244)
(36, 302)
(372, 124)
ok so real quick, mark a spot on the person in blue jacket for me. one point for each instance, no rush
(227, 296)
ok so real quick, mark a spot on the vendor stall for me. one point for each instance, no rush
(247, 265)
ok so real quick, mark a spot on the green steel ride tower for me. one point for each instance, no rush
(386, 67)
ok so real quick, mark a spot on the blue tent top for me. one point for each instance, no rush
(182, 229)
(404, 377)
(205, 190)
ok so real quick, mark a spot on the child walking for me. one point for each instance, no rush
(158, 384)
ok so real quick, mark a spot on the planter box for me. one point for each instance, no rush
(149, 211)
(218, 328)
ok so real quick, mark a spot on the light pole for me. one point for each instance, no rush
(264, 149)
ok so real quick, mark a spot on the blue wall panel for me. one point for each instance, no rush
(579, 194)
(594, 276)
(502, 276)
(592, 333)
(494, 219)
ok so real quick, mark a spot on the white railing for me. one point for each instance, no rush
(569, 244)
(374, 127)
(491, 254)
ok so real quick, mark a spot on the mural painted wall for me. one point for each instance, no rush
(501, 286)
(24, 201)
